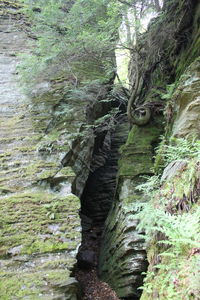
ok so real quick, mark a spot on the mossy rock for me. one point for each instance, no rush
(39, 234)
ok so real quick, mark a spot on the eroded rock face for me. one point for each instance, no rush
(40, 224)
(123, 255)
(186, 101)
(100, 187)
(180, 192)
(169, 46)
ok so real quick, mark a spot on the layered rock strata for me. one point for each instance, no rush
(167, 49)
(181, 194)
(40, 224)
(123, 255)
(100, 187)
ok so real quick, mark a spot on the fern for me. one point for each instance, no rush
(181, 149)
(169, 92)
(175, 149)
(173, 235)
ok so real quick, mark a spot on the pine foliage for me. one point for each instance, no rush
(73, 37)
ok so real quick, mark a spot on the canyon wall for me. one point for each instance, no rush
(45, 148)
(169, 85)
(53, 155)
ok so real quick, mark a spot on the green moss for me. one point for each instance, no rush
(31, 231)
(142, 136)
(58, 263)
(176, 279)
(5, 180)
(41, 246)
(39, 170)
(25, 285)
(5, 154)
(33, 138)
(4, 189)
(137, 153)
(25, 149)
(67, 171)
(28, 215)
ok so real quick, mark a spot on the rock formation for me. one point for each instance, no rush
(38, 246)
(58, 166)
(167, 52)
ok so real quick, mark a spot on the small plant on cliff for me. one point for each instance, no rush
(181, 149)
(174, 242)
(175, 149)
(169, 92)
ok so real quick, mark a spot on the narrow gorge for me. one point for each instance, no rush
(93, 205)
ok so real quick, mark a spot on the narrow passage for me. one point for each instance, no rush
(87, 272)
(96, 202)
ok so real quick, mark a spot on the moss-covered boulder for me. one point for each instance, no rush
(40, 232)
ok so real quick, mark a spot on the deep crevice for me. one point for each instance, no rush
(96, 201)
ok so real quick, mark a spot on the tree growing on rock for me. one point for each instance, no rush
(74, 37)
(78, 39)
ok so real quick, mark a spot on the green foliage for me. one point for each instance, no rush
(173, 230)
(77, 37)
(181, 232)
(150, 185)
(174, 279)
(181, 149)
(175, 149)
(177, 237)
(169, 92)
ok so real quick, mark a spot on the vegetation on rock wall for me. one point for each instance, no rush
(169, 79)
(171, 222)
(75, 38)
(70, 70)
(164, 50)
(123, 269)
(79, 39)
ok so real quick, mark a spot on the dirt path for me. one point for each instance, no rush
(93, 288)
(86, 273)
